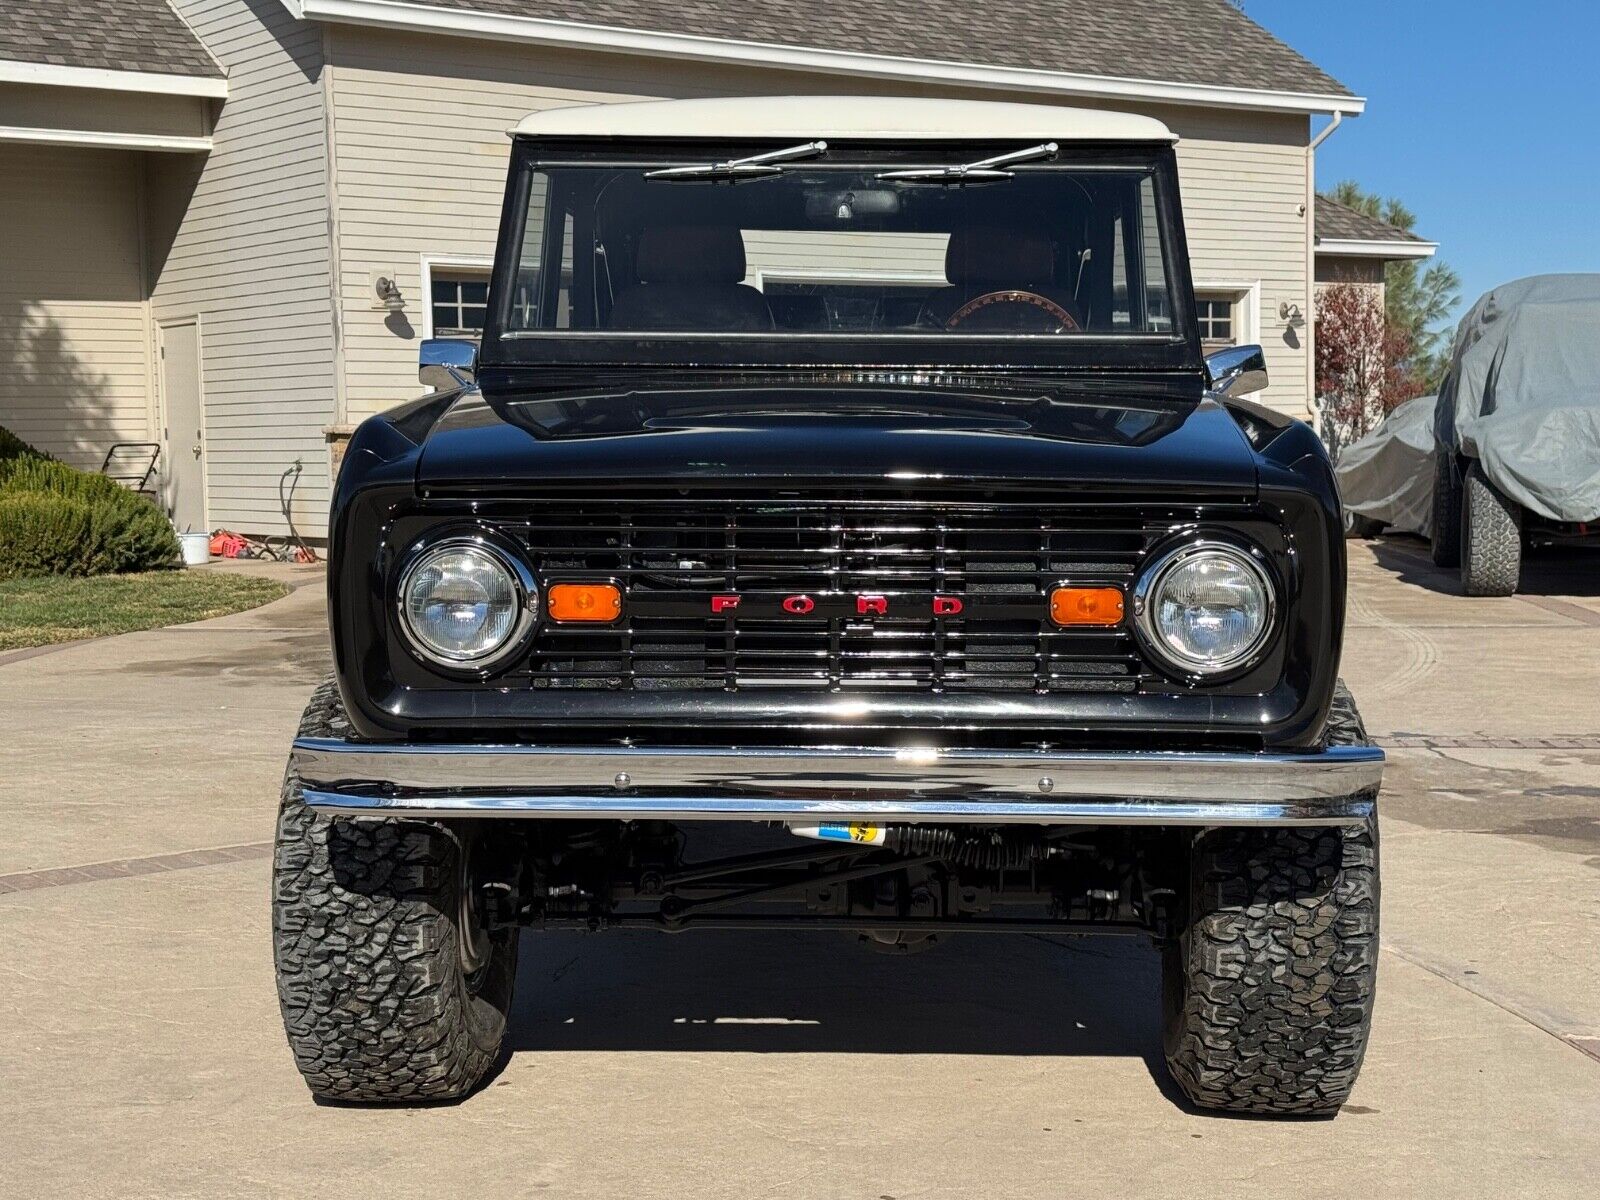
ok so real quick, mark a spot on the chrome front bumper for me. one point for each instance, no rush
(1330, 787)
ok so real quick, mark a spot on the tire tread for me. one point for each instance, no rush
(373, 998)
(1491, 538)
(1271, 1005)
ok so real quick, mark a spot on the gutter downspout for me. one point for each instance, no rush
(1323, 135)
(1327, 132)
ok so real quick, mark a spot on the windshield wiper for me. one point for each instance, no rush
(985, 170)
(754, 167)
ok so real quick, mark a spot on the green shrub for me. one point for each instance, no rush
(25, 473)
(42, 535)
(11, 446)
(131, 536)
(56, 520)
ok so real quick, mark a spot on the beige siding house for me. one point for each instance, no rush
(200, 198)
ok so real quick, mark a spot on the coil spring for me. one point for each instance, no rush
(984, 850)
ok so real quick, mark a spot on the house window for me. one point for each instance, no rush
(1216, 320)
(460, 303)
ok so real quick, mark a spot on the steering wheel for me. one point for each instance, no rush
(1065, 321)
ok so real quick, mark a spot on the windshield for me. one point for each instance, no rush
(1035, 247)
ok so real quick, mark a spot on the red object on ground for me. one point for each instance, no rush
(226, 544)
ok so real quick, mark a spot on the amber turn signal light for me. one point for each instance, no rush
(1086, 606)
(584, 602)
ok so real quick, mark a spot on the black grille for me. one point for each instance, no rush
(672, 557)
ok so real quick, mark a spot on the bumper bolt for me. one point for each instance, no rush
(623, 779)
(1047, 784)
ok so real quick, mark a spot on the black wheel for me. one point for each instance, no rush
(1268, 991)
(1491, 538)
(390, 985)
(1446, 510)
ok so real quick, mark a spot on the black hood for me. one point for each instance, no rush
(1155, 433)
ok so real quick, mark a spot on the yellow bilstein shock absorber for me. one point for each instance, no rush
(840, 831)
(985, 849)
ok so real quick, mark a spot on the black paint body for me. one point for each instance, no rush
(459, 461)
(1112, 424)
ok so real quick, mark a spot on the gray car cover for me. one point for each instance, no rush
(1388, 475)
(1522, 395)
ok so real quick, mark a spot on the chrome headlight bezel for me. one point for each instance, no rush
(524, 587)
(1146, 594)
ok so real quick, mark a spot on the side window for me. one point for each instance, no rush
(460, 302)
(1138, 273)
(530, 297)
(1158, 305)
(524, 312)
(1121, 309)
(563, 300)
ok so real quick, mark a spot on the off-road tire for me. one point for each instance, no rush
(1268, 991)
(1446, 510)
(376, 1001)
(1491, 538)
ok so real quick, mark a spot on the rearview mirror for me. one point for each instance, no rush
(445, 364)
(1238, 370)
(846, 206)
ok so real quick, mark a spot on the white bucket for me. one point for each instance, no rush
(196, 548)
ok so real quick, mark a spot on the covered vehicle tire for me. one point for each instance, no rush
(1446, 511)
(1268, 990)
(390, 987)
(1491, 538)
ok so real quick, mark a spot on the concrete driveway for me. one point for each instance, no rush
(142, 1054)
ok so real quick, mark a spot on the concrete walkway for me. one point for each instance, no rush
(143, 1054)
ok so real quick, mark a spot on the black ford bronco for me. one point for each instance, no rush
(838, 528)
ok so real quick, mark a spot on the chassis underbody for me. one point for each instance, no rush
(921, 882)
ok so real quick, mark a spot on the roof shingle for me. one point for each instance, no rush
(1202, 42)
(105, 35)
(1339, 222)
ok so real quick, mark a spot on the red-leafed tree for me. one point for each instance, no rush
(1363, 363)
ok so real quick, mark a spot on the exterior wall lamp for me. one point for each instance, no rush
(388, 291)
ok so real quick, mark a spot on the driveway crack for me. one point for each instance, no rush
(1564, 1028)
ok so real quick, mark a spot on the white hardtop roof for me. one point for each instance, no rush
(844, 117)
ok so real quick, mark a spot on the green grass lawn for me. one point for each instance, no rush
(41, 610)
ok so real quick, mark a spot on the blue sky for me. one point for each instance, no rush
(1483, 117)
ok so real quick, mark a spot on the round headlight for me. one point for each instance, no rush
(464, 604)
(1205, 608)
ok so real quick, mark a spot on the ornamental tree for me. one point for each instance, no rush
(1364, 364)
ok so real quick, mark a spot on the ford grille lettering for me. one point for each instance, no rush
(863, 604)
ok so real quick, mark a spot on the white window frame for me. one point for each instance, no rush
(445, 263)
(1246, 311)
(1246, 306)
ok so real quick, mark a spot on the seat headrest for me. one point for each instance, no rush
(987, 254)
(691, 254)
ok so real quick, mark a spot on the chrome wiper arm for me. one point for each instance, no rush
(982, 171)
(742, 168)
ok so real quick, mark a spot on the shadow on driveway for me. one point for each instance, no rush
(725, 991)
(708, 990)
(1546, 570)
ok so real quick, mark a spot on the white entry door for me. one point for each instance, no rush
(183, 454)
